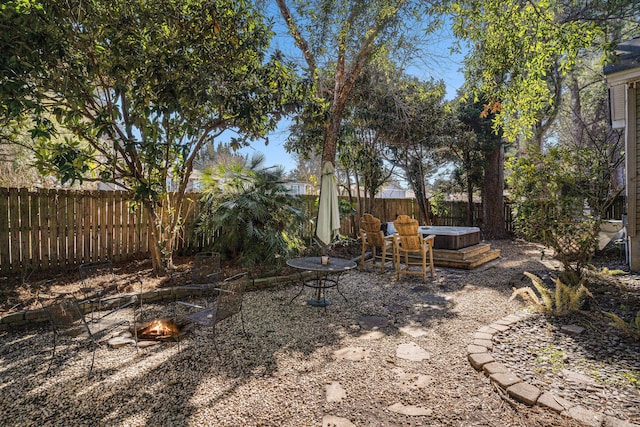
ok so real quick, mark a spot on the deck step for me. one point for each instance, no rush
(461, 254)
(466, 258)
(470, 263)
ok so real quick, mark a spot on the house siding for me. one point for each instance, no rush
(632, 135)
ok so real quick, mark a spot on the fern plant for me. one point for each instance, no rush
(559, 302)
(632, 328)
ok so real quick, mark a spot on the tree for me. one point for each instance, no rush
(141, 87)
(483, 160)
(337, 40)
(411, 118)
(517, 45)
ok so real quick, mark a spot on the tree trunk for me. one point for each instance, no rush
(577, 130)
(154, 240)
(469, 220)
(494, 222)
(163, 232)
(331, 132)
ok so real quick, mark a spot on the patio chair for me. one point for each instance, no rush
(374, 239)
(227, 304)
(105, 295)
(409, 241)
(66, 315)
(205, 275)
(103, 292)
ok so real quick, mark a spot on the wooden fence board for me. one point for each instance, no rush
(53, 228)
(43, 205)
(103, 200)
(15, 229)
(5, 249)
(117, 239)
(145, 232)
(95, 229)
(86, 226)
(70, 252)
(74, 213)
(109, 231)
(135, 232)
(131, 230)
(25, 240)
(34, 227)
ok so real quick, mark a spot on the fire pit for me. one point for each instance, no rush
(159, 330)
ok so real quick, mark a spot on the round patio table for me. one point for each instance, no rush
(326, 276)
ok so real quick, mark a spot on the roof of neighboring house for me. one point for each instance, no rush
(627, 57)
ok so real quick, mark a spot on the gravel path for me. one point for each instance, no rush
(302, 366)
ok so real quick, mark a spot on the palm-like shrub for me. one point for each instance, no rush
(247, 213)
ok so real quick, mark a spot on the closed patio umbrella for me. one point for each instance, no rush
(328, 222)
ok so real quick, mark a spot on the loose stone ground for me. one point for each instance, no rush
(394, 354)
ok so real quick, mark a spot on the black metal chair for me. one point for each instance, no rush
(105, 293)
(67, 316)
(205, 275)
(227, 304)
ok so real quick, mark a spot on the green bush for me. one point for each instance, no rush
(559, 200)
(248, 215)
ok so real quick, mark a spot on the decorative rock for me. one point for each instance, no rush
(577, 377)
(147, 343)
(473, 349)
(488, 344)
(117, 342)
(488, 330)
(422, 381)
(523, 392)
(372, 335)
(553, 402)
(494, 368)
(352, 353)
(482, 336)
(478, 360)
(411, 351)
(583, 415)
(506, 322)
(412, 381)
(616, 422)
(435, 299)
(505, 379)
(572, 329)
(498, 327)
(410, 410)
(331, 421)
(335, 392)
(414, 331)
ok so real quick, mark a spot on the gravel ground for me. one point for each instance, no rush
(291, 371)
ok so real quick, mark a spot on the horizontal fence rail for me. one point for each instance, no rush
(60, 229)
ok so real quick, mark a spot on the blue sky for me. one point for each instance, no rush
(441, 65)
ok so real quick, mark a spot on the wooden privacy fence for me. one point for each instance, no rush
(63, 228)
(385, 209)
(59, 229)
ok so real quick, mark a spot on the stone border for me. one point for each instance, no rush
(36, 317)
(479, 356)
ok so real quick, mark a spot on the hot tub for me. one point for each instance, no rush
(452, 238)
